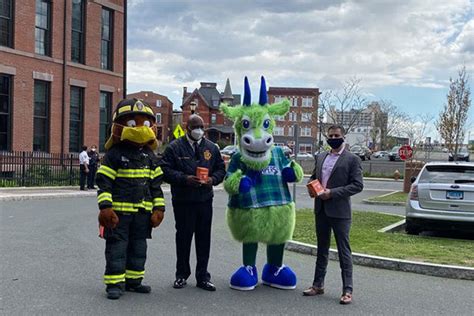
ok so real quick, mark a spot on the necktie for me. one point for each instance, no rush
(196, 151)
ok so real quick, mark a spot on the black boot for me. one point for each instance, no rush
(114, 291)
(137, 286)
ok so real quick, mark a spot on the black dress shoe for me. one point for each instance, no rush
(206, 285)
(179, 283)
(140, 288)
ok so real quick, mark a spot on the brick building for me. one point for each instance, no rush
(163, 108)
(61, 72)
(207, 100)
(303, 113)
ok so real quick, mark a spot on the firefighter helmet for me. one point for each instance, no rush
(132, 106)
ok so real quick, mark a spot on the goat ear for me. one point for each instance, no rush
(280, 108)
(231, 112)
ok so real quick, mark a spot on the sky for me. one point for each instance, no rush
(401, 51)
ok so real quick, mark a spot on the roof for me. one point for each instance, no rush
(222, 128)
(211, 96)
(293, 91)
(150, 95)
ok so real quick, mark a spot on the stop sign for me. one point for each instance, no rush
(405, 152)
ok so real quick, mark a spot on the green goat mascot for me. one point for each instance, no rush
(260, 208)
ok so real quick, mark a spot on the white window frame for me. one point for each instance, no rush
(158, 103)
(305, 131)
(279, 131)
(306, 116)
(213, 118)
(305, 147)
(307, 102)
(294, 102)
(291, 131)
(292, 116)
(158, 118)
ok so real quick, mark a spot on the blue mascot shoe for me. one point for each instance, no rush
(244, 279)
(279, 277)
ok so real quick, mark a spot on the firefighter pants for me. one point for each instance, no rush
(125, 248)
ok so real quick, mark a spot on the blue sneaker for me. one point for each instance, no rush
(279, 277)
(244, 279)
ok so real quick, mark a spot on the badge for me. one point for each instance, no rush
(207, 155)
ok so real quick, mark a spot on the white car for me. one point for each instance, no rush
(303, 156)
(441, 197)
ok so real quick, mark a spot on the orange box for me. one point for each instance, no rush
(315, 187)
(202, 173)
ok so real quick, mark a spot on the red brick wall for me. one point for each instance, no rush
(25, 61)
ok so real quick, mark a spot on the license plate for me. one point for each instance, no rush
(454, 195)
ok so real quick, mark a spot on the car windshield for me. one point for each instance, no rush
(228, 148)
(447, 174)
(396, 148)
(355, 148)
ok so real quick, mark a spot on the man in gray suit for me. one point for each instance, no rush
(340, 173)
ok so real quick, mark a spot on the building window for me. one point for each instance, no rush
(158, 118)
(213, 118)
(292, 116)
(307, 102)
(41, 116)
(6, 23)
(305, 131)
(278, 99)
(278, 131)
(290, 131)
(306, 117)
(294, 102)
(105, 120)
(76, 119)
(5, 112)
(306, 148)
(43, 27)
(106, 42)
(77, 36)
(279, 117)
(158, 103)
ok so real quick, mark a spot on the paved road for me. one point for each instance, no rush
(52, 264)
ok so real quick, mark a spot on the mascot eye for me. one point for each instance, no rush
(246, 124)
(266, 123)
(131, 123)
(146, 123)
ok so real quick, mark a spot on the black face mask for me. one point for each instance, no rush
(335, 142)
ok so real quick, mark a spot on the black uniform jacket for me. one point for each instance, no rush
(129, 179)
(179, 161)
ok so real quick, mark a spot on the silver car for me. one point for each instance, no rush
(441, 197)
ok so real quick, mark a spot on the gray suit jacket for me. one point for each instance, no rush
(345, 180)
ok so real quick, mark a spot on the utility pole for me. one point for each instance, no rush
(297, 146)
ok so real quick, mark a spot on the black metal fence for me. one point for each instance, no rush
(27, 169)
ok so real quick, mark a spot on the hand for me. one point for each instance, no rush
(193, 181)
(209, 182)
(108, 218)
(86, 170)
(157, 217)
(326, 195)
(311, 193)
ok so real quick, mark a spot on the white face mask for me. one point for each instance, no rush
(197, 133)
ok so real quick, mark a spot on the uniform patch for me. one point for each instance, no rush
(271, 170)
(207, 155)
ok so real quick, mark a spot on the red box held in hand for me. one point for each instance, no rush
(315, 187)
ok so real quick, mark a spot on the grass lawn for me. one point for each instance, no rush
(393, 197)
(365, 239)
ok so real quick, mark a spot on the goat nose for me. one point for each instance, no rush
(247, 140)
(269, 139)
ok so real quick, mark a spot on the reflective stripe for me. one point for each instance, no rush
(132, 207)
(156, 173)
(130, 274)
(125, 108)
(133, 173)
(104, 196)
(109, 172)
(114, 279)
(158, 202)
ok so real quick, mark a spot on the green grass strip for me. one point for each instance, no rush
(366, 239)
(392, 197)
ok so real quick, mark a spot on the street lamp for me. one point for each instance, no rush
(193, 106)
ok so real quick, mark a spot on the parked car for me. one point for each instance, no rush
(304, 156)
(445, 150)
(441, 197)
(380, 154)
(229, 150)
(463, 155)
(361, 151)
(393, 154)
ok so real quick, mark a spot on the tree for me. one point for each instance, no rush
(388, 121)
(452, 120)
(343, 107)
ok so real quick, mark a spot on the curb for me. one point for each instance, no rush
(433, 269)
(367, 201)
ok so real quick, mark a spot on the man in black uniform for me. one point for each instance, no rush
(93, 163)
(192, 199)
(130, 197)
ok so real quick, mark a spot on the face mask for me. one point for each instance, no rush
(93, 149)
(139, 135)
(197, 134)
(335, 142)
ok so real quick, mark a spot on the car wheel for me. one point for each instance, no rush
(363, 158)
(368, 157)
(391, 158)
(411, 229)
